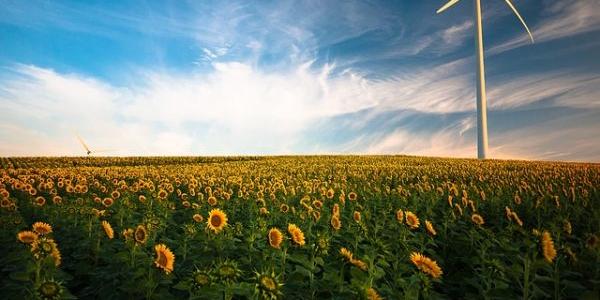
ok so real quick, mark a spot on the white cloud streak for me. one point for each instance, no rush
(560, 19)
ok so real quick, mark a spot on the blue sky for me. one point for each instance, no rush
(297, 77)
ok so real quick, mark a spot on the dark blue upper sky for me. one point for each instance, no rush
(247, 77)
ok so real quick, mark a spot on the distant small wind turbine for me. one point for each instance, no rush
(482, 133)
(87, 149)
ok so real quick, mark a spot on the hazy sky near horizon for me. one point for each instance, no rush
(297, 77)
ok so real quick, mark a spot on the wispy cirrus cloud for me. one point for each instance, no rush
(560, 19)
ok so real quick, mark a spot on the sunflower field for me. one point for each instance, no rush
(298, 227)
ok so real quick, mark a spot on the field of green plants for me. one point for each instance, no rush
(298, 227)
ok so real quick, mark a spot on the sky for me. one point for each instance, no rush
(297, 77)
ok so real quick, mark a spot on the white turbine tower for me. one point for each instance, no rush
(482, 134)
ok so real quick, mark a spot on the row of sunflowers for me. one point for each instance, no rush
(298, 227)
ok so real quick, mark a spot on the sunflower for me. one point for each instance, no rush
(49, 290)
(426, 264)
(330, 193)
(317, 204)
(212, 201)
(516, 218)
(352, 196)
(164, 258)
(27, 236)
(548, 247)
(57, 200)
(217, 220)
(316, 215)
(263, 211)
(284, 208)
(477, 219)
(412, 220)
(197, 218)
(56, 256)
(336, 209)
(567, 227)
(140, 235)
(201, 278)
(228, 271)
(127, 234)
(41, 228)
(336, 223)
(142, 198)
(275, 238)
(162, 194)
(42, 247)
(372, 294)
(400, 216)
(356, 216)
(268, 286)
(430, 228)
(507, 213)
(347, 254)
(5, 202)
(360, 264)
(458, 209)
(107, 202)
(40, 201)
(297, 234)
(108, 229)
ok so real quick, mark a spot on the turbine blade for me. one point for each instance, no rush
(446, 6)
(83, 143)
(514, 9)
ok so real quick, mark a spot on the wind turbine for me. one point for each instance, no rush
(482, 133)
(87, 149)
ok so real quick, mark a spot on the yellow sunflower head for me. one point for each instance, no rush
(107, 202)
(27, 236)
(275, 238)
(356, 216)
(347, 254)
(352, 196)
(217, 220)
(297, 234)
(360, 264)
(165, 259)
(335, 222)
(477, 219)
(127, 234)
(108, 229)
(412, 220)
(372, 294)
(426, 264)
(400, 216)
(212, 201)
(40, 201)
(140, 235)
(430, 228)
(198, 218)
(548, 247)
(42, 247)
(41, 228)
(284, 208)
